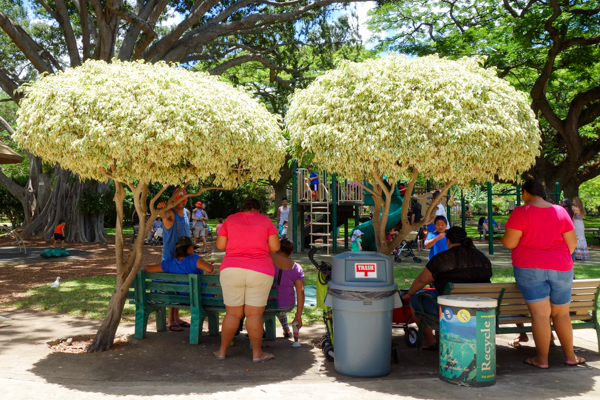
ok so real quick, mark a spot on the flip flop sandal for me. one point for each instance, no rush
(529, 361)
(218, 357)
(580, 360)
(175, 328)
(516, 343)
(184, 324)
(265, 358)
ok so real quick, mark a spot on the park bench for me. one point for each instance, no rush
(150, 296)
(512, 308)
(596, 235)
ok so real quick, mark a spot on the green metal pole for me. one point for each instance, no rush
(448, 208)
(463, 210)
(295, 224)
(346, 233)
(334, 211)
(356, 216)
(490, 225)
(428, 185)
(557, 191)
(518, 194)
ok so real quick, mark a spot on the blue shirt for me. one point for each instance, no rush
(180, 228)
(315, 181)
(185, 266)
(438, 247)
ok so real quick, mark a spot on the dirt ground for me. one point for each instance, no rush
(16, 279)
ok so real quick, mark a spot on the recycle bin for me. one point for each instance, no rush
(468, 340)
(363, 296)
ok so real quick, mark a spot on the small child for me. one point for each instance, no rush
(356, 241)
(219, 225)
(288, 280)
(59, 234)
(284, 229)
(185, 262)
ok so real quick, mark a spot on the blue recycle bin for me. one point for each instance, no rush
(363, 296)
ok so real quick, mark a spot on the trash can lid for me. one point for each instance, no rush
(467, 301)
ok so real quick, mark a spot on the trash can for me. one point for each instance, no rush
(468, 340)
(363, 296)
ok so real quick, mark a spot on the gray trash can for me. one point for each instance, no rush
(363, 296)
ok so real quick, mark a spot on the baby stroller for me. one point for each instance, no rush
(405, 249)
(484, 232)
(157, 239)
(403, 317)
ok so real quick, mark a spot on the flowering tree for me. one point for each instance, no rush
(140, 123)
(395, 117)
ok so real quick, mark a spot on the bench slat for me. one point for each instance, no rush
(168, 298)
(524, 319)
(168, 287)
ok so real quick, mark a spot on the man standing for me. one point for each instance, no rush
(283, 214)
(200, 217)
(176, 224)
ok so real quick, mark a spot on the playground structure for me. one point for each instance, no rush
(6, 231)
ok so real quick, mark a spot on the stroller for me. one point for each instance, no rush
(327, 344)
(405, 249)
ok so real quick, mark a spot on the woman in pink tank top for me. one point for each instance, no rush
(542, 238)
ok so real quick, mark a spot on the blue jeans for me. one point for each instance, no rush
(543, 284)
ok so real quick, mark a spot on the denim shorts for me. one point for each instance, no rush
(430, 307)
(543, 284)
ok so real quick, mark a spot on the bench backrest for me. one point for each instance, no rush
(144, 284)
(584, 295)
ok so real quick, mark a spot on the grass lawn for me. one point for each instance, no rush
(89, 297)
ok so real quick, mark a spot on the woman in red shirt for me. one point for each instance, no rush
(246, 274)
(542, 238)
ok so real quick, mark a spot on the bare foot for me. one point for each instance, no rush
(532, 361)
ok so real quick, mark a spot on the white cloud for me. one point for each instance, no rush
(362, 8)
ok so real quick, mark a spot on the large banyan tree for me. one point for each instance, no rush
(394, 118)
(140, 123)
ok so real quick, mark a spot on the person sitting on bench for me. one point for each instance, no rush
(461, 263)
(185, 262)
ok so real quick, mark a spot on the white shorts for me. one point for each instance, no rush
(245, 287)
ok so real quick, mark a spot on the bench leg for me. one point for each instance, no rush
(141, 321)
(213, 324)
(196, 326)
(270, 327)
(161, 319)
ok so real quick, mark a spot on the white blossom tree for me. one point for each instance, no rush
(395, 117)
(141, 123)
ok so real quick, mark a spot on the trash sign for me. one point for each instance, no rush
(366, 270)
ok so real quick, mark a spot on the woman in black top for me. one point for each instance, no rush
(461, 263)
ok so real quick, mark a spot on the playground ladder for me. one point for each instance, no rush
(320, 208)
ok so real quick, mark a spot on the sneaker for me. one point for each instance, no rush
(287, 334)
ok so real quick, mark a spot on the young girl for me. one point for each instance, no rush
(219, 225)
(436, 239)
(288, 281)
(284, 229)
(581, 251)
(185, 262)
(356, 241)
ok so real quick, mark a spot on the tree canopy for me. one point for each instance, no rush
(395, 117)
(550, 49)
(150, 123)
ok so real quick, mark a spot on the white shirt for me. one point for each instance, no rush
(284, 214)
(441, 210)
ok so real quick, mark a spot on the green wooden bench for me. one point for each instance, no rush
(596, 235)
(512, 308)
(146, 294)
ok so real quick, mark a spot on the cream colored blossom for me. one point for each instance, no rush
(449, 119)
(156, 122)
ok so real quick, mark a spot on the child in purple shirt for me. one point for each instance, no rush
(288, 281)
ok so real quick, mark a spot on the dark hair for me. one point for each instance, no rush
(220, 220)
(569, 207)
(456, 234)
(181, 251)
(251, 204)
(286, 246)
(61, 221)
(535, 188)
(440, 218)
(285, 198)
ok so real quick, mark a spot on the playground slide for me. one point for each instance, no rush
(368, 237)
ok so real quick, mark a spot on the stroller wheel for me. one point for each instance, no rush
(396, 353)
(328, 352)
(417, 259)
(410, 337)
(398, 259)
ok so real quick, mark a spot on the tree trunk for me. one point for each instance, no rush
(106, 334)
(280, 186)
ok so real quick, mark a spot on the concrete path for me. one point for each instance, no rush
(31, 255)
(165, 364)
